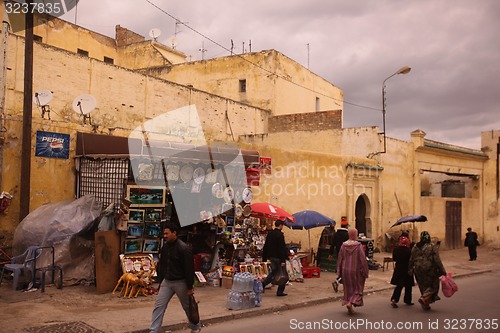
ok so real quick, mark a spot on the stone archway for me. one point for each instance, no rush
(363, 215)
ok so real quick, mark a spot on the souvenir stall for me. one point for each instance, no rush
(206, 190)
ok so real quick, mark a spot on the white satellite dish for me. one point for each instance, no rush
(83, 105)
(154, 33)
(42, 97)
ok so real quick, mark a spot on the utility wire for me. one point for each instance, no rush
(255, 64)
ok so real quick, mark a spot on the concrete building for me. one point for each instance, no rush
(264, 102)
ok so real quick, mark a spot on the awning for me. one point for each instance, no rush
(99, 145)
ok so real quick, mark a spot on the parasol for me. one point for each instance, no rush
(269, 211)
(308, 219)
(410, 218)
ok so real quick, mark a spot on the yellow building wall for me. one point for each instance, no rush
(125, 100)
(277, 83)
(490, 140)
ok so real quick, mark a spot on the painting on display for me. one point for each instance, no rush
(146, 196)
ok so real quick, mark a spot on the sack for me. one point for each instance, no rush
(281, 276)
(194, 315)
(448, 285)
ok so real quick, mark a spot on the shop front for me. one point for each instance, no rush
(207, 190)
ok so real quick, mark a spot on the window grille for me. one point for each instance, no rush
(103, 178)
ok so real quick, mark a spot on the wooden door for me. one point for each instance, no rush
(453, 224)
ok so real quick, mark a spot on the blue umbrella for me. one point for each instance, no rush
(308, 219)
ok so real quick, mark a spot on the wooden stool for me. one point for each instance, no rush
(387, 260)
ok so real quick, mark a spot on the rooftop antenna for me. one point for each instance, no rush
(176, 31)
(307, 55)
(232, 47)
(243, 49)
(155, 33)
(203, 50)
(42, 99)
(250, 45)
(83, 105)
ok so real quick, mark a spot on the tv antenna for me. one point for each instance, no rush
(202, 50)
(42, 99)
(83, 105)
(155, 33)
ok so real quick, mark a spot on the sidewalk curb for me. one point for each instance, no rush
(254, 312)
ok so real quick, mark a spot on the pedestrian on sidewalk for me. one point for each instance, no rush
(426, 264)
(276, 251)
(472, 243)
(352, 267)
(176, 276)
(400, 277)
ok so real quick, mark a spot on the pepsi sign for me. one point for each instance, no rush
(52, 145)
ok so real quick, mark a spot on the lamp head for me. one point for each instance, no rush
(404, 70)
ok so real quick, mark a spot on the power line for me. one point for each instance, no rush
(178, 21)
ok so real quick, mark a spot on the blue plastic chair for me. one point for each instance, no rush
(25, 268)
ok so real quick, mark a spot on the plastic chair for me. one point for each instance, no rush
(27, 267)
(51, 267)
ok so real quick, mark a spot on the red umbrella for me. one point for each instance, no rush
(266, 210)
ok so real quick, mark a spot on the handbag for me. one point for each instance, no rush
(194, 315)
(448, 285)
(281, 276)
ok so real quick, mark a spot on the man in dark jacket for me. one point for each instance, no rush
(276, 251)
(175, 275)
(471, 242)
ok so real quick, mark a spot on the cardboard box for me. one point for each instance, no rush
(227, 282)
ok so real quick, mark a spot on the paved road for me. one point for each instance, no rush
(472, 309)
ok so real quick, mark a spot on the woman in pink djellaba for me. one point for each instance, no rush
(353, 268)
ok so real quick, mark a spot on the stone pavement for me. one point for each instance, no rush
(80, 305)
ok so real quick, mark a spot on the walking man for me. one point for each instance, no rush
(276, 251)
(472, 243)
(176, 276)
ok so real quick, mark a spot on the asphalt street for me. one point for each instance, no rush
(474, 308)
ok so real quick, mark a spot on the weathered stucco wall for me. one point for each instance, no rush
(490, 143)
(277, 83)
(125, 100)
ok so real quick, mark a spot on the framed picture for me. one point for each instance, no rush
(133, 245)
(146, 196)
(134, 230)
(153, 215)
(152, 230)
(151, 246)
(136, 215)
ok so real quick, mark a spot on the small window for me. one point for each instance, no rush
(243, 85)
(109, 60)
(37, 38)
(317, 104)
(82, 52)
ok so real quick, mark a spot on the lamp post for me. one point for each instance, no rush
(402, 70)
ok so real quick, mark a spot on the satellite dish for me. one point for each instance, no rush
(42, 97)
(154, 33)
(83, 105)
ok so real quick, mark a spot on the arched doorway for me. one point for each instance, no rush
(362, 215)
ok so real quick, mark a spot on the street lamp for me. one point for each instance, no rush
(402, 70)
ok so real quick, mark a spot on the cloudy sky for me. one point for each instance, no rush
(452, 47)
